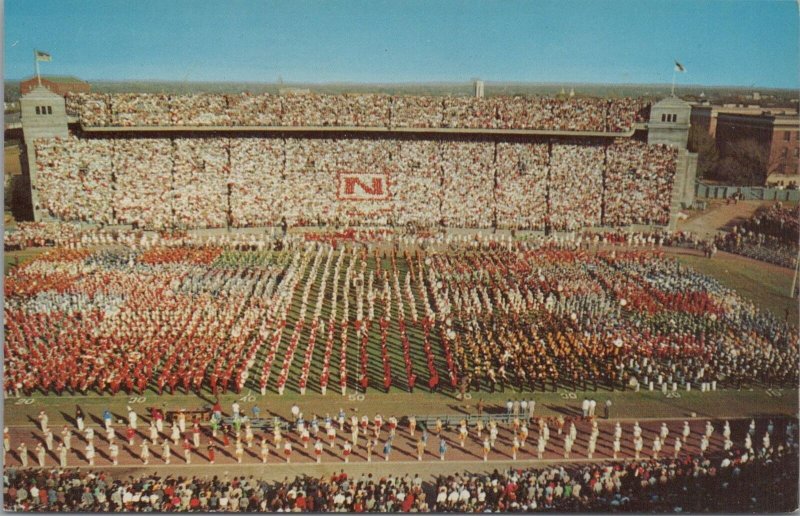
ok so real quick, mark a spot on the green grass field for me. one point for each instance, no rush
(625, 405)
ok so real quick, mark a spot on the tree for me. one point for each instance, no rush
(706, 148)
(744, 163)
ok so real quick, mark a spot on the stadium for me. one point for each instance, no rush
(389, 298)
(253, 160)
(313, 260)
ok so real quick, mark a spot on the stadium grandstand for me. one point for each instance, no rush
(497, 317)
(158, 162)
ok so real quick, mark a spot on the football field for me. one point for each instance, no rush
(755, 281)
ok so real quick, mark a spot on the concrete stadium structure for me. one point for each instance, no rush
(44, 116)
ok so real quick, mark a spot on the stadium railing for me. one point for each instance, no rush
(748, 193)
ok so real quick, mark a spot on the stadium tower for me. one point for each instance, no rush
(43, 116)
(669, 125)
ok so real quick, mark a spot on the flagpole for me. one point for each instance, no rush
(674, 73)
(36, 62)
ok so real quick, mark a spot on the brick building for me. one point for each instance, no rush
(778, 135)
(58, 84)
(706, 115)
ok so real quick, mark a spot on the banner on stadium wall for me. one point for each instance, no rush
(363, 187)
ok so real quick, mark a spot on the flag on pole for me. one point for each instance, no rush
(679, 67)
(42, 56)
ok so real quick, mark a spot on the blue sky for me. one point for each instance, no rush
(721, 42)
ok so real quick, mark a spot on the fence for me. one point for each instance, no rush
(748, 193)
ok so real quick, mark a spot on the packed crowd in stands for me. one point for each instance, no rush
(421, 112)
(252, 185)
(357, 110)
(247, 182)
(638, 183)
(417, 185)
(201, 171)
(738, 482)
(467, 184)
(754, 471)
(143, 180)
(771, 235)
(130, 109)
(575, 186)
(758, 246)
(777, 221)
(75, 179)
(536, 314)
(521, 180)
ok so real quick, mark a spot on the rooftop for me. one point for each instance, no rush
(41, 92)
(671, 102)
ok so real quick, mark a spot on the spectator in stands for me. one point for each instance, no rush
(191, 183)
